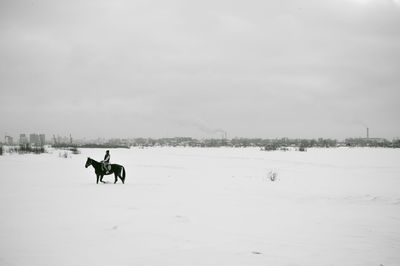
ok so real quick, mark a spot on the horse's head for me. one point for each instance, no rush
(88, 162)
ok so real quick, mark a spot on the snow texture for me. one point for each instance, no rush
(189, 206)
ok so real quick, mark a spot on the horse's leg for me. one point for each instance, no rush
(97, 179)
(116, 178)
(101, 179)
(121, 175)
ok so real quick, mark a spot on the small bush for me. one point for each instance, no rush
(272, 175)
(270, 147)
(1, 150)
(63, 155)
(75, 150)
(301, 148)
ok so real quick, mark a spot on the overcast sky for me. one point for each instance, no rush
(311, 68)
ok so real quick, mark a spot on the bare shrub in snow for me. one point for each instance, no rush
(272, 175)
(75, 150)
(63, 155)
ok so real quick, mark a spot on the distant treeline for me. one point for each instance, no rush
(104, 146)
(267, 144)
(374, 142)
(25, 148)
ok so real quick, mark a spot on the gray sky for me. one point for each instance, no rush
(312, 68)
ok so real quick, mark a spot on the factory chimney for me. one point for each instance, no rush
(367, 133)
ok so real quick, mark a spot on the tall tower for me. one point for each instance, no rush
(367, 133)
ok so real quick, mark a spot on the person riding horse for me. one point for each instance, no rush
(106, 161)
(116, 169)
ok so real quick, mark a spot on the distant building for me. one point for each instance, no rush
(9, 140)
(23, 139)
(34, 139)
(42, 138)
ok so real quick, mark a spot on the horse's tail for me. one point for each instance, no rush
(123, 173)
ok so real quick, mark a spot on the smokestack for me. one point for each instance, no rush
(367, 133)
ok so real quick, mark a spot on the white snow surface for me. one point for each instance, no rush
(203, 206)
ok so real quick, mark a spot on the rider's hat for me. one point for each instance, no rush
(107, 151)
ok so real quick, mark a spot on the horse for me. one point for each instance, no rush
(116, 169)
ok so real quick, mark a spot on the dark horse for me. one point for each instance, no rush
(116, 169)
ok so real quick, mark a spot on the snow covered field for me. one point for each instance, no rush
(189, 206)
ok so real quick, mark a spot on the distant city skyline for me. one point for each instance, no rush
(218, 134)
(268, 69)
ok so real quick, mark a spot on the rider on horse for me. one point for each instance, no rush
(106, 161)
